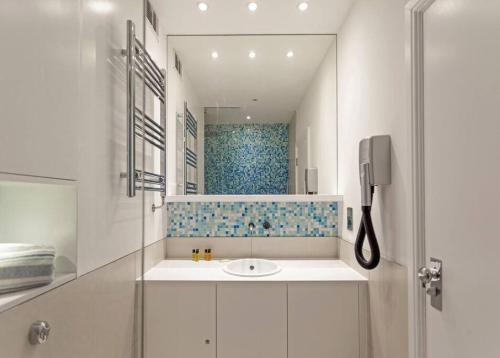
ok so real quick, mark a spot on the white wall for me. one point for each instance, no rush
(317, 113)
(180, 90)
(155, 223)
(109, 223)
(371, 70)
(372, 101)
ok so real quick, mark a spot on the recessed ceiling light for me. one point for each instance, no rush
(215, 54)
(252, 54)
(203, 6)
(289, 54)
(252, 6)
(249, 117)
(303, 6)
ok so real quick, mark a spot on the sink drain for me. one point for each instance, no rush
(252, 267)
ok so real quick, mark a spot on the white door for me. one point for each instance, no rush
(462, 174)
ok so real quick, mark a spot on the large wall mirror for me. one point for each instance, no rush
(250, 114)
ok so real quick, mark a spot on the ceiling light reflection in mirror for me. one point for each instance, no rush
(303, 6)
(202, 6)
(252, 6)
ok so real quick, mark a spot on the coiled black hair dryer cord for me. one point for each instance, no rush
(366, 230)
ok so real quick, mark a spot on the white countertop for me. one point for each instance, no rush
(292, 271)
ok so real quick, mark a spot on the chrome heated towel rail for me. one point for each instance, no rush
(140, 64)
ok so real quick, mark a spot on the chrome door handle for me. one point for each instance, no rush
(432, 280)
(426, 275)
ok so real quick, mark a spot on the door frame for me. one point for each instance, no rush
(414, 15)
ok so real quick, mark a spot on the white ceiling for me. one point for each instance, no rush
(233, 17)
(234, 80)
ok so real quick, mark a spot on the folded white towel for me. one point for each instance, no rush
(24, 266)
(9, 251)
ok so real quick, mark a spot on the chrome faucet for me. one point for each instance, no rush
(251, 227)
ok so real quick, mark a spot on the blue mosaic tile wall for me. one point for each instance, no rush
(246, 159)
(231, 219)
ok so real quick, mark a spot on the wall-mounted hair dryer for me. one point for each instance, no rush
(374, 169)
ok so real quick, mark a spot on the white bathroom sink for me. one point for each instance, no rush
(252, 267)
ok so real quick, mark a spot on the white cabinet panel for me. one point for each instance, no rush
(39, 87)
(180, 320)
(109, 223)
(323, 320)
(251, 320)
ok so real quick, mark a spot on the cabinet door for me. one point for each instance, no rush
(179, 320)
(251, 320)
(323, 320)
(39, 87)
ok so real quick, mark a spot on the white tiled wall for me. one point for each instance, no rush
(268, 247)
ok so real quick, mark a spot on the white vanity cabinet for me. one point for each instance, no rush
(251, 320)
(180, 320)
(323, 320)
(238, 319)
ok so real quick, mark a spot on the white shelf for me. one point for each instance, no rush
(253, 198)
(9, 300)
(39, 211)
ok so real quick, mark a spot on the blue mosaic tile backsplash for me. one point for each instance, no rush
(231, 219)
(246, 159)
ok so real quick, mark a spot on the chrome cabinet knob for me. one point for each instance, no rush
(39, 332)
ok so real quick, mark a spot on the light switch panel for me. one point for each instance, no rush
(349, 219)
